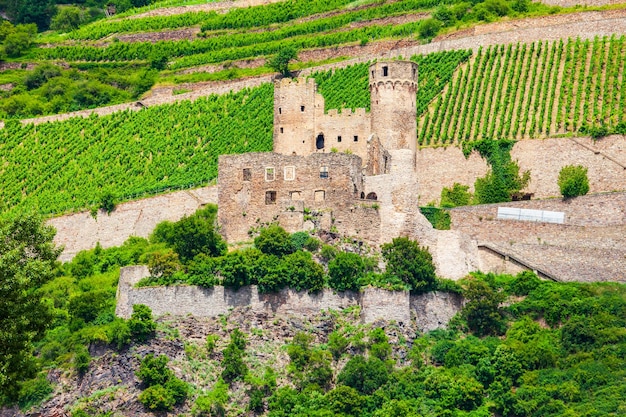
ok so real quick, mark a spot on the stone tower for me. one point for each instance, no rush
(294, 116)
(393, 89)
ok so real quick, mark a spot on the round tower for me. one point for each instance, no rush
(393, 90)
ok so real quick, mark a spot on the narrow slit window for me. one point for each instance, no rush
(385, 71)
(247, 174)
(338, 138)
(281, 130)
(280, 110)
(323, 172)
(270, 174)
(270, 197)
(356, 138)
(301, 108)
(290, 173)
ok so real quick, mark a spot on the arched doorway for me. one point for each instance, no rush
(319, 142)
(371, 196)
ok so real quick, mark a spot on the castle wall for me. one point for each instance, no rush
(81, 231)
(345, 131)
(430, 311)
(318, 186)
(605, 159)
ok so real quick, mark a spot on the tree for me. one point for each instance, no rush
(573, 181)
(274, 240)
(196, 234)
(27, 261)
(482, 309)
(280, 61)
(345, 271)
(410, 263)
(68, 18)
(38, 12)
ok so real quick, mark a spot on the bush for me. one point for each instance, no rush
(157, 398)
(429, 28)
(233, 364)
(299, 239)
(482, 309)
(524, 283)
(82, 360)
(194, 235)
(107, 202)
(456, 196)
(337, 344)
(34, 391)
(163, 264)
(573, 181)
(364, 376)
(213, 403)
(303, 272)
(410, 263)
(345, 271)
(154, 371)
(280, 62)
(274, 240)
(141, 325)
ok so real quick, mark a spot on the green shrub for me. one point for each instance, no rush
(312, 244)
(410, 263)
(157, 398)
(364, 376)
(429, 28)
(337, 344)
(303, 272)
(34, 391)
(211, 341)
(299, 239)
(482, 310)
(141, 325)
(154, 371)
(194, 235)
(214, 402)
(345, 271)
(119, 334)
(524, 283)
(82, 360)
(163, 264)
(456, 196)
(232, 363)
(573, 181)
(274, 240)
(107, 202)
(328, 252)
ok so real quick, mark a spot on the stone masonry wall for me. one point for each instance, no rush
(81, 231)
(431, 311)
(605, 159)
(296, 184)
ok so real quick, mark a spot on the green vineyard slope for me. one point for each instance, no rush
(533, 90)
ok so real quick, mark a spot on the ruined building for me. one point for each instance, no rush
(343, 171)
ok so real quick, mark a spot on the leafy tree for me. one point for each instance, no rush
(16, 44)
(482, 309)
(573, 181)
(141, 325)
(409, 262)
(345, 400)
(68, 18)
(345, 271)
(280, 62)
(196, 234)
(274, 240)
(38, 12)
(429, 28)
(366, 376)
(303, 272)
(154, 371)
(233, 364)
(163, 264)
(27, 262)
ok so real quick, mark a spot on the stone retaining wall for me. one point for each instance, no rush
(431, 310)
(81, 231)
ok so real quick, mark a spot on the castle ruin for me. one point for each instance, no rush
(350, 172)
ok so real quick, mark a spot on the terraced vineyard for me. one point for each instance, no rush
(532, 91)
(65, 166)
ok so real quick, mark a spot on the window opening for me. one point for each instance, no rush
(270, 197)
(323, 172)
(247, 174)
(280, 111)
(319, 142)
(385, 71)
(281, 130)
(414, 72)
(320, 195)
(296, 195)
(371, 196)
(362, 196)
(269, 174)
(356, 138)
(301, 108)
(290, 173)
(338, 138)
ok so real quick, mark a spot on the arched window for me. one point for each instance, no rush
(371, 196)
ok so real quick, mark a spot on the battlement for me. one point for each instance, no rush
(359, 112)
